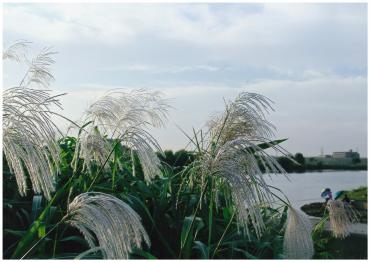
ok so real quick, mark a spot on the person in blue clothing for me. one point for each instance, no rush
(327, 194)
(329, 197)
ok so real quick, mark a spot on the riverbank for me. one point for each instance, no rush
(352, 247)
(358, 199)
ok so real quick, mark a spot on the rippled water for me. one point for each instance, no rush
(306, 187)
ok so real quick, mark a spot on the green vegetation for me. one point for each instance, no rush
(303, 164)
(328, 247)
(167, 206)
(359, 194)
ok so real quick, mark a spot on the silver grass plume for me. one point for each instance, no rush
(94, 147)
(29, 138)
(16, 51)
(126, 116)
(298, 243)
(245, 116)
(232, 154)
(39, 69)
(107, 222)
(341, 216)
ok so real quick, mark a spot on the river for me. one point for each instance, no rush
(306, 187)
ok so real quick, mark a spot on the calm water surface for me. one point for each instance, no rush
(306, 187)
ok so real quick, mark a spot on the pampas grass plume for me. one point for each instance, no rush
(107, 222)
(341, 216)
(298, 243)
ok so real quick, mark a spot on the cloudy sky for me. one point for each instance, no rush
(310, 59)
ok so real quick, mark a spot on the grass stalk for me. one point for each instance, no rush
(210, 216)
(223, 234)
(102, 167)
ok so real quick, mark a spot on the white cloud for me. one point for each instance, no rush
(183, 37)
(156, 69)
(328, 112)
(311, 59)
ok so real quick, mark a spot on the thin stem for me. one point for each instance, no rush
(102, 167)
(39, 241)
(66, 118)
(55, 243)
(223, 234)
(25, 76)
(285, 202)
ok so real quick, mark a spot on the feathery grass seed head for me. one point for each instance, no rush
(29, 138)
(298, 243)
(245, 116)
(108, 222)
(232, 154)
(16, 51)
(126, 116)
(341, 216)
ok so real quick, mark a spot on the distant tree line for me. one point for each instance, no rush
(290, 166)
(293, 164)
(319, 163)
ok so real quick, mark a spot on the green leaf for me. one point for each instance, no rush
(36, 206)
(271, 143)
(227, 212)
(87, 252)
(190, 228)
(17, 233)
(140, 205)
(266, 145)
(42, 230)
(74, 238)
(203, 249)
(245, 253)
(143, 254)
(30, 238)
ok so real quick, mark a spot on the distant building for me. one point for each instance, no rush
(348, 154)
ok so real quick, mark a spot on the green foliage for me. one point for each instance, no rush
(315, 163)
(177, 211)
(357, 194)
(328, 247)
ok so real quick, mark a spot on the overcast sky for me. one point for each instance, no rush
(310, 59)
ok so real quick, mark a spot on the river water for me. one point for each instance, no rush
(306, 188)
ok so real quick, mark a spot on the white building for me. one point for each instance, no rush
(348, 154)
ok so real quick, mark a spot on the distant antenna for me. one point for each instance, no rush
(322, 151)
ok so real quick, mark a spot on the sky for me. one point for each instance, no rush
(310, 59)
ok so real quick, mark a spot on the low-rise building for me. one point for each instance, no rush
(348, 154)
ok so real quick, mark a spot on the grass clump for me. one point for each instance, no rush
(112, 188)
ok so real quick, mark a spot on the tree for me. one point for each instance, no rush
(301, 160)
